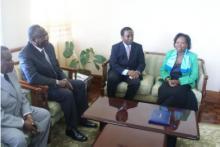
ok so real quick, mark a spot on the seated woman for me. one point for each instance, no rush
(179, 72)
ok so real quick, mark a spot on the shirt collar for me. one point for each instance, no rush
(126, 46)
(39, 49)
(1, 74)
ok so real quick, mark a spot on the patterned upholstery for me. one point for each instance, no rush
(209, 137)
(148, 90)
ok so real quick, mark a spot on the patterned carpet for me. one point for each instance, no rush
(59, 139)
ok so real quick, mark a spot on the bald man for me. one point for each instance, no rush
(39, 66)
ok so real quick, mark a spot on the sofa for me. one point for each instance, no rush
(148, 91)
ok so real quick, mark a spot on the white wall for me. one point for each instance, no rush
(97, 24)
(15, 20)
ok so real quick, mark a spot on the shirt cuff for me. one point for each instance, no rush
(125, 72)
(22, 122)
(57, 82)
(26, 114)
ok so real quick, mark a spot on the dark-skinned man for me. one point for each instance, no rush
(39, 66)
(17, 116)
(126, 64)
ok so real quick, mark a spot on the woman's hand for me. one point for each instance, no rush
(173, 83)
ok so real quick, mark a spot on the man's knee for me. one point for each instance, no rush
(113, 77)
(46, 114)
(134, 82)
(19, 141)
(78, 83)
(68, 95)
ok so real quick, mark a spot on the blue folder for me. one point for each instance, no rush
(160, 117)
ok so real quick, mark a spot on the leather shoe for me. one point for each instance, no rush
(89, 124)
(75, 134)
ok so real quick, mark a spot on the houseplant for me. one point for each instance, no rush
(86, 56)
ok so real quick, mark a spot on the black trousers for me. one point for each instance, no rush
(181, 97)
(114, 79)
(73, 102)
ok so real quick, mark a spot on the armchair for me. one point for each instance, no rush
(38, 95)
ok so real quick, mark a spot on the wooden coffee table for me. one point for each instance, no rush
(118, 136)
(137, 114)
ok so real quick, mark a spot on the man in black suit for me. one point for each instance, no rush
(39, 66)
(126, 64)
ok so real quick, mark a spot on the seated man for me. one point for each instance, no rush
(126, 64)
(39, 66)
(17, 116)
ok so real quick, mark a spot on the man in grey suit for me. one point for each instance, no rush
(18, 118)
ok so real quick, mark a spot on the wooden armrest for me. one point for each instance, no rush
(36, 88)
(105, 63)
(70, 71)
(104, 75)
(39, 94)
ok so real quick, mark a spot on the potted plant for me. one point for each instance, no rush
(86, 56)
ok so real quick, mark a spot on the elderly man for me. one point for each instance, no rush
(17, 116)
(39, 65)
(126, 64)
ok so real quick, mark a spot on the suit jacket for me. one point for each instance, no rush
(119, 60)
(36, 69)
(13, 103)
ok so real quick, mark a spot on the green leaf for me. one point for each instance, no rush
(96, 65)
(74, 63)
(71, 46)
(68, 51)
(100, 59)
(84, 57)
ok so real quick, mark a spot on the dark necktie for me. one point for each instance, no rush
(7, 79)
(42, 52)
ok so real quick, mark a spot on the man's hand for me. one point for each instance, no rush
(133, 74)
(65, 84)
(29, 124)
(68, 84)
(61, 83)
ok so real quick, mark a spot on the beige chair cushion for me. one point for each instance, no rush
(144, 89)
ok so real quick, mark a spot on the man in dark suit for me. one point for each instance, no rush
(39, 66)
(126, 64)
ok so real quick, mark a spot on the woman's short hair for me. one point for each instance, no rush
(188, 39)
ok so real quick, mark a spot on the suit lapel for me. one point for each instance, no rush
(39, 56)
(132, 53)
(6, 86)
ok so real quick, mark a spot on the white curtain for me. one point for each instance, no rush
(54, 16)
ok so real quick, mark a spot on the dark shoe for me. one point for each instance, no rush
(75, 134)
(89, 124)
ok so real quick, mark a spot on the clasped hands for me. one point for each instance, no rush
(172, 83)
(133, 74)
(29, 125)
(65, 84)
